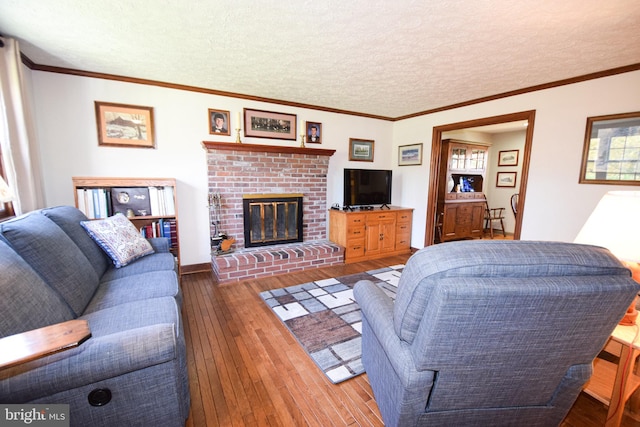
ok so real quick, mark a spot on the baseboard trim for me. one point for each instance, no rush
(196, 268)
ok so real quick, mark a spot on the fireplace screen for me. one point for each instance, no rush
(271, 219)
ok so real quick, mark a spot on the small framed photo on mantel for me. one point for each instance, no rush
(313, 132)
(218, 122)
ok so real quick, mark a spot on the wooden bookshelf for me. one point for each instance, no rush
(168, 212)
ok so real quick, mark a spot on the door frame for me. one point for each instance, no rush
(434, 175)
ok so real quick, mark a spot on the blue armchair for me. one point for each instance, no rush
(490, 333)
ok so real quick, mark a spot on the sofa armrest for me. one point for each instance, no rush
(159, 244)
(31, 345)
(377, 310)
(96, 360)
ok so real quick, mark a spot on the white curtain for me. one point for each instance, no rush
(17, 132)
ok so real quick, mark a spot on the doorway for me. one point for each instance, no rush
(436, 164)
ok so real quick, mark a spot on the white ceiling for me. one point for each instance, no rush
(378, 57)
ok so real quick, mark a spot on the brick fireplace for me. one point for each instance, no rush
(236, 170)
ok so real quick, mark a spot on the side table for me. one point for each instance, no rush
(611, 383)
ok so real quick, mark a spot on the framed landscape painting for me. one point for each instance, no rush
(508, 158)
(122, 125)
(267, 124)
(410, 155)
(361, 150)
(506, 179)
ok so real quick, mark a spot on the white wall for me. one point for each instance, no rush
(556, 205)
(67, 135)
(500, 197)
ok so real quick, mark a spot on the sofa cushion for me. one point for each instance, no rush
(119, 238)
(153, 284)
(68, 218)
(54, 256)
(153, 262)
(24, 294)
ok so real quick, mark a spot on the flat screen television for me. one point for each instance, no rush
(366, 187)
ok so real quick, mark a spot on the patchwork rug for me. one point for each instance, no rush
(326, 320)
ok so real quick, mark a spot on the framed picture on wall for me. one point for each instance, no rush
(267, 124)
(122, 125)
(313, 133)
(219, 122)
(361, 150)
(611, 153)
(410, 155)
(508, 158)
(506, 179)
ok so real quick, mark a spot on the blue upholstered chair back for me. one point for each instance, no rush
(501, 327)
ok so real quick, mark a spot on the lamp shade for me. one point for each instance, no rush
(613, 224)
(6, 195)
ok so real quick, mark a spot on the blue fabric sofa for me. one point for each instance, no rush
(53, 271)
(490, 333)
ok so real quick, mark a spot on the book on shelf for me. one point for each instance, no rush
(98, 203)
(161, 228)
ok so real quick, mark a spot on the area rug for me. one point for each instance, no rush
(325, 319)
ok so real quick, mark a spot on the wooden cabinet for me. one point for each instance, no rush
(162, 218)
(461, 202)
(463, 220)
(371, 234)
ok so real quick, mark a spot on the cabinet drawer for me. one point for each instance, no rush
(404, 228)
(404, 217)
(355, 220)
(403, 241)
(354, 248)
(355, 231)
(380, 216)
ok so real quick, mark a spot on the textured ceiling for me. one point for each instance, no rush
(378, 57)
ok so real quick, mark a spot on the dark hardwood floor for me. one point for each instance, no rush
(246, 369)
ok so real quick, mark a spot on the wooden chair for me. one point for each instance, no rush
(439, 227)
(514, 203)
(491, 216)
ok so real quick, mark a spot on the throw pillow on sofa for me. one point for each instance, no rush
(119, 238)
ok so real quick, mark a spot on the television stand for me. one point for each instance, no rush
(371, 234)
(383, 206)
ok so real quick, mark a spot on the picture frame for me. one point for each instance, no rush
(409, 155)
(508, 158)
(311, 136)
(506, 179)
(124, 125)
(269, 124)
(219, 122)
(611, 152)
(361, 150)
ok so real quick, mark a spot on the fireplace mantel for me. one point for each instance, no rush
(212, 145)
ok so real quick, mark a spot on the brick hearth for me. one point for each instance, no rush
(237, 169)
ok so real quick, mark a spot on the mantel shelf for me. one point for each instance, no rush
(212, 145)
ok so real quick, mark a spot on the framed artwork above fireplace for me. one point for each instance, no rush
(267, 124)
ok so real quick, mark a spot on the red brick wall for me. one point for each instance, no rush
(233, 173)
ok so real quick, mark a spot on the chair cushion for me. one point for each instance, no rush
(484, 258)
(25, 293)
(54, 256)
(68, 218)
(119, 238)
